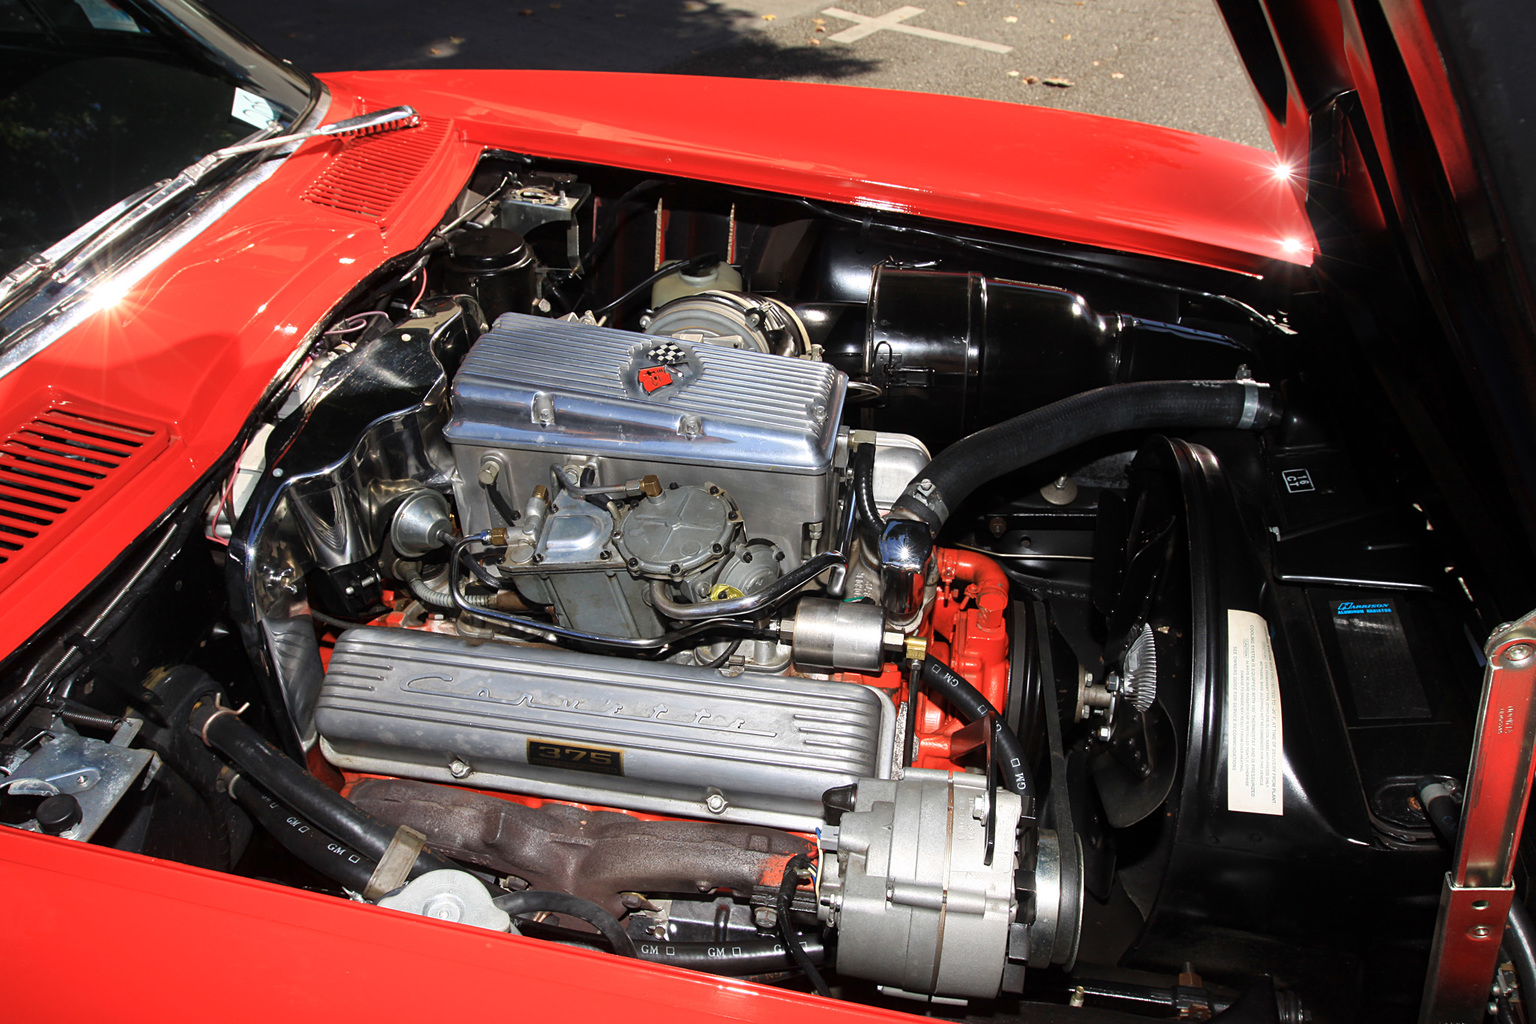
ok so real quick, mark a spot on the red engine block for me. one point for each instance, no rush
(967, 629)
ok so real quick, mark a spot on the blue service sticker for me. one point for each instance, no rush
(1363, 608)
(1379, 670)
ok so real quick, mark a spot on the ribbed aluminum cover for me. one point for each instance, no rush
(751, 410)
(405, 702)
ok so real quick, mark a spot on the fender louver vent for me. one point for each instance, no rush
(56, 468)
(372, 172)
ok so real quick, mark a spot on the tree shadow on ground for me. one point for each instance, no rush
(578, 35)
(757, 56)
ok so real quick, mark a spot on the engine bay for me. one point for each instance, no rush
(974, 625)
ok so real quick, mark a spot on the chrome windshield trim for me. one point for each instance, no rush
(43, 262)
(32, 338)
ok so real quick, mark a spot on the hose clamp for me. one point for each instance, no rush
(395, 865)
(1253, 392)
(220, 709)
(925, 493)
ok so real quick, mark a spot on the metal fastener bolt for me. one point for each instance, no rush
(1518, 652)
(1479, 931)
(765, 918)
(543, 410)
(633, 562)
(674, 568)
(443, 908)
(716, 548)
(459, 769)
(605, 555)
(716, 802)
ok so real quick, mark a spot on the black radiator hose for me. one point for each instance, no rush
(1036, 435)
(745, 956)
(968, 702)
(870, 520)
(733, 958)
(292, 786)
(307, 843)
(533, 901)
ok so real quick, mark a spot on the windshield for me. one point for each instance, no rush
(99, 99)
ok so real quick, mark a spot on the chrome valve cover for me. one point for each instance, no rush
(648, 736)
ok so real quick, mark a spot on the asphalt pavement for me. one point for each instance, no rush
(1167, 62)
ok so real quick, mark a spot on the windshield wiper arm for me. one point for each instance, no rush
(378, 121)
(41, 263)
(86, 242)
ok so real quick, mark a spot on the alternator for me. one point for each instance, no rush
(921, 899)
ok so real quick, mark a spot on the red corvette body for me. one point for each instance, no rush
(173, 366)
(249, 289)
(191, 349)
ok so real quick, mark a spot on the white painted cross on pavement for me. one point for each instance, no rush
(893, 21)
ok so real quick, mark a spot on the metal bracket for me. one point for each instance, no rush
(96, 773)
(395, 865)
(1475, 900)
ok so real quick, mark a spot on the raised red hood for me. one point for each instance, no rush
(192, 348)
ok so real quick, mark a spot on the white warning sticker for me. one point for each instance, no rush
(1255, 741)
